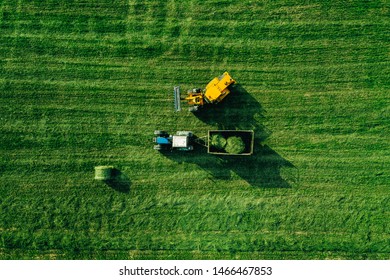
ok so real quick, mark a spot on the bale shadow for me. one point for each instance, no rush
(265, 168)
(119, 182)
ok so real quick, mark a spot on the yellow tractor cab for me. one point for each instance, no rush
(218, 88)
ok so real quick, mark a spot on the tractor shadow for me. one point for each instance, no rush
(265, 168)
(119, 182)
(239, 110)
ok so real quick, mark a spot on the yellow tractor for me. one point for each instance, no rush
(215, 92)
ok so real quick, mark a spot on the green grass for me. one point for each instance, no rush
(85, 83)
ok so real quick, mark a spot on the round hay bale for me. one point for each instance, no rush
(103, 173)
(235, 145)
(218, 141)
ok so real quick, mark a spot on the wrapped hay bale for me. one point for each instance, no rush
(218, 141)
(103, 173)
(235, 145)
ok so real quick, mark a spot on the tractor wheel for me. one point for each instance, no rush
(184, 133)
(193, 109)
(157, 147)
(161, 133)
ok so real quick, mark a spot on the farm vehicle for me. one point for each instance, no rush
(218, 142)
(216, 90)
(181, 141)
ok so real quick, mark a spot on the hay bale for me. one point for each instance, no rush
(235, 145)
(103, 173)
(218, 141)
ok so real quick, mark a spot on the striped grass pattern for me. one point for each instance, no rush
(85, 83)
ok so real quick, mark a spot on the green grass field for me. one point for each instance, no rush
(85, 83)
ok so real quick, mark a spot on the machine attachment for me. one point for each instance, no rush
(177, 99)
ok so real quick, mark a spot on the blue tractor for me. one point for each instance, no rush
(181, 141)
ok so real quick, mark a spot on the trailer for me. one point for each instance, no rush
(230, 142)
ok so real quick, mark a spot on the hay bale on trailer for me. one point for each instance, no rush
(104, 173)
(235, 145)
(218, 141)
(230, 142)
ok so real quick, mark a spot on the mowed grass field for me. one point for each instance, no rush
(85, 83)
